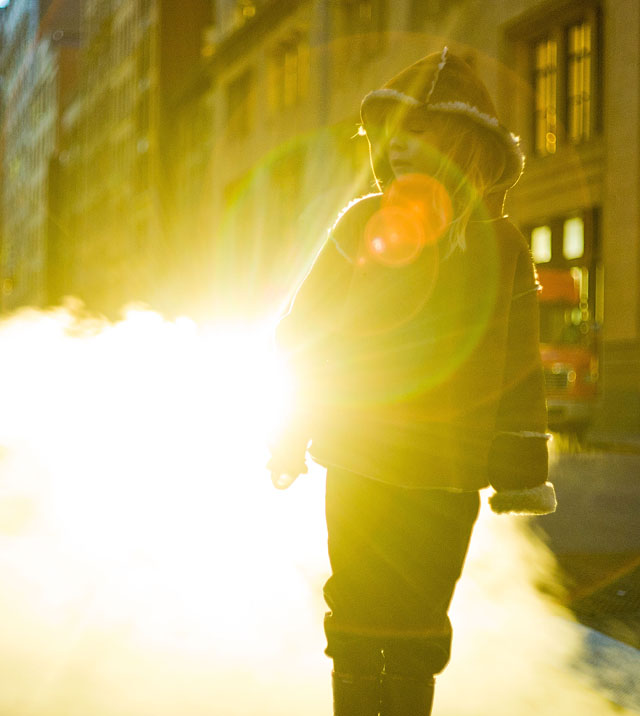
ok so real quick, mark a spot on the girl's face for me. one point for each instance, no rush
(415, 142)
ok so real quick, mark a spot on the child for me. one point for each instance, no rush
(414, 343)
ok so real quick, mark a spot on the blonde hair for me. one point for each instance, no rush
(471, 163)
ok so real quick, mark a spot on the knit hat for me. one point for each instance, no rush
(442, 82)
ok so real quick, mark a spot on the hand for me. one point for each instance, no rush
(281, 481)
(283, 476)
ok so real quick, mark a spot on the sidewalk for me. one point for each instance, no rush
(613, 440)
(608, 601)
(613, 667)
(595, 538)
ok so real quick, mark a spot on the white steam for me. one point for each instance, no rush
(147, 566)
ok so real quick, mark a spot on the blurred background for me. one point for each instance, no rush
(187, 157)
(191, 156)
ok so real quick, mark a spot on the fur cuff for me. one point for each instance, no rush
(540, 500)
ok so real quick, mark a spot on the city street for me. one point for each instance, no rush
(595, 536)
(595, 532)
(233, 228)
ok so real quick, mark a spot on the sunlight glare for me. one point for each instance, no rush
(147, 445)
(147, 565)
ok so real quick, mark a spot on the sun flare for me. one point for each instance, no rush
(139, 449)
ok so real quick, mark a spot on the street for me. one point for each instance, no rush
(595, 536)
(595, 533)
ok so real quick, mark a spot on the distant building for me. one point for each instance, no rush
(37, 66)
(118, 138)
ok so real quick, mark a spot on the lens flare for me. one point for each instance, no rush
(394, 237)
(140, 536)
(424, 197)
(272, 224)
(415, 212)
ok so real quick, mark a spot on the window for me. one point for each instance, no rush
(286, 180)
(365, 20)
(559, 51)
(541, 244)
(573, 238)
(571, 234)
(244, 10)
(566, 253)
(545, 86)
(288, 74)
(240, 104)
(566, 240)
(579, 66)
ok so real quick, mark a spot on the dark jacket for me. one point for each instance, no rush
(422, 375)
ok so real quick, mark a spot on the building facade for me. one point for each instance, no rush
(209, 145)
(286, 85)
(117, 139)
(114, 173)
(37, 65)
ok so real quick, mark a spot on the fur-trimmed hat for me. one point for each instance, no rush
(442, 82)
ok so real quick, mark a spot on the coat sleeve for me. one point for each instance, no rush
(318, 301)
(315, 302)
(300, 336)
(518, 459)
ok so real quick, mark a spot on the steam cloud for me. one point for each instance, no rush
(147, 566)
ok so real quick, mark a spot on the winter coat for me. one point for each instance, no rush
(424, 375)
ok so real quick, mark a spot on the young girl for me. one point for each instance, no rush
(414, 343)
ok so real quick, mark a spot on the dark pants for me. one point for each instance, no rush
(395, 555)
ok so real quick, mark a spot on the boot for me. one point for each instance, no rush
(406, 696)
(355, 695)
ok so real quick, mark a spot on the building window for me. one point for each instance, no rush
(240, 105)
(288, 74)
(365, 20)
(244, 10)
(566, 240)
(579, 64)
(541, 244)
(573, 238)
(565, 249)
(559, 51)
(546, 89)
(247, 8)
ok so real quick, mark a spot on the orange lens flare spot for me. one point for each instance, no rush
(393, 236)
(416, 210)
(425, 198)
